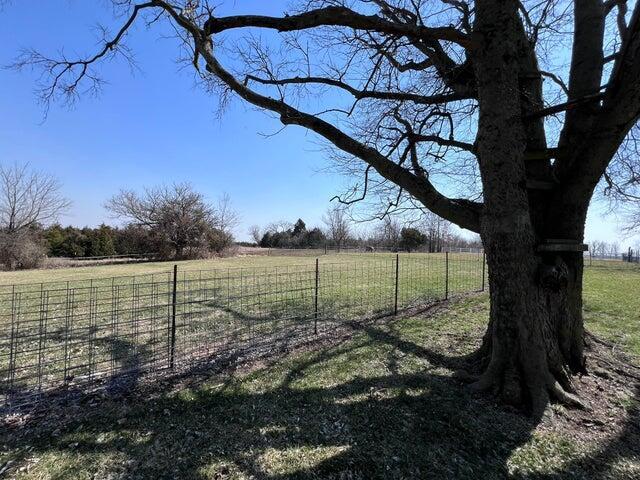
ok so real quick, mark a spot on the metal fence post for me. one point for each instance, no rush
(13, 345)
(395, 304)
(484, 266)
(174, 298)
(446, 275)
(315, 306)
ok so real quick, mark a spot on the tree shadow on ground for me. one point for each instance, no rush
(128, 362)
(355, 409)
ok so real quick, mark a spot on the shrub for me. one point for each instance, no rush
(218, 240)
(411, 238)
(298, 237)
(22, 250)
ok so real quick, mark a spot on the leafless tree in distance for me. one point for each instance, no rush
(437, 231)
(338, 225)
(182, 221)
(29, 199)
(225, 217)
(388, 232)
(500, 116)
(279, 226)
(255, 232)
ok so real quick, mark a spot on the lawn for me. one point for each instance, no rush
(376, 401)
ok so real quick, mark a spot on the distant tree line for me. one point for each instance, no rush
(171, 222)
(281, 235)
(132, 239)
(599, 248)
(429, 233)
(97, 242)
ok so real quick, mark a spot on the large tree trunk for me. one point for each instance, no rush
(535, 337)
(534, 342)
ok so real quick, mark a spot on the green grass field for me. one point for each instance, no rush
(612, 303)
(78, 324)
(247, 261)
(378, 403)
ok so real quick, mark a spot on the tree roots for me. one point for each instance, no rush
(534, 393)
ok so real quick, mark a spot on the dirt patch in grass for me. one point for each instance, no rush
(611, 421)
(378, 400)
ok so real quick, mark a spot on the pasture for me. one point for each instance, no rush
(73, 326)
(375, 400)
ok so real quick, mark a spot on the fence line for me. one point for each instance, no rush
(109, 257)
(631, 256)
(61, 335)
(326, 249)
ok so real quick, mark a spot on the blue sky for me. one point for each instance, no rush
(156, 126)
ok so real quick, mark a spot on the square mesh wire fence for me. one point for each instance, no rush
(101, 332)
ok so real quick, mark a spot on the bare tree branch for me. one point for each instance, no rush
(360, 94)
(335, 16)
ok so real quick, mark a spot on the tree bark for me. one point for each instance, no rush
(534, 341)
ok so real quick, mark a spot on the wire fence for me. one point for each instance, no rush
(631, 256)
(120, 256)
(327, 249)
(105, 332)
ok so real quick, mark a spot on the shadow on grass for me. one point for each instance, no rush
(623, 449)
(352, 410)
(129, 362)
(359, 429)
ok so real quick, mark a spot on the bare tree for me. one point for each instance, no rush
(605, 249)
(181, 220)
(255, 232)
(279, 226)
(28, 200)
(598, 248)
(614, 249)
(457, 91)
(388, 233)
(632, 217)
(224, 216)
(337, 224)
(437, 230)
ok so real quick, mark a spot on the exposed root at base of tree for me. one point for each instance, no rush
(548, 390)
(564, 396)
(509, 388)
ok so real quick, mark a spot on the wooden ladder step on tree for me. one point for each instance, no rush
(562, 245)
(533, 184)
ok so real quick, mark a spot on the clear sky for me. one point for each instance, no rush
(155, 126)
